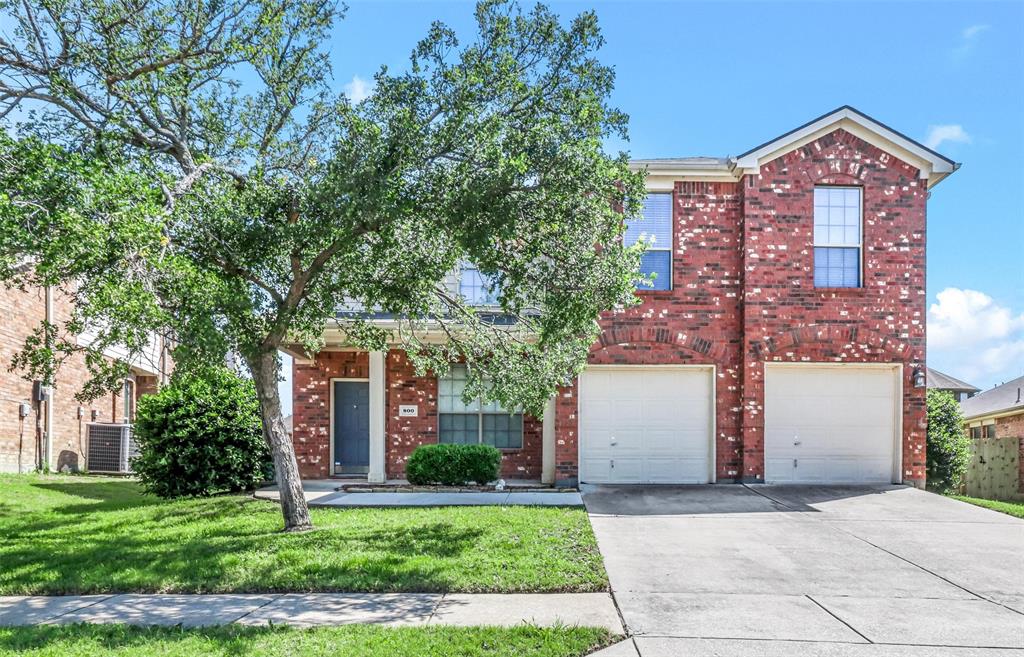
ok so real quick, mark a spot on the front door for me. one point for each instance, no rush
(351, 427)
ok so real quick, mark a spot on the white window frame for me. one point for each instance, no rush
(829, 245)
(671, 241)
(458, 285)
(480, 413)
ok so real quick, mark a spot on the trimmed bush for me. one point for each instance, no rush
(453, 465)
(949, 448)
(201, 435)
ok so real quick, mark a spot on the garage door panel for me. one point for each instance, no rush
(660, 420)
(597, 467)
(627, 470)
(836, 424)
(627, 440)
(661, 414)
(630, 411)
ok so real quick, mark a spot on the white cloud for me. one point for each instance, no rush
(938, 134)
(972, 337)
(358, 89)
(968, 39)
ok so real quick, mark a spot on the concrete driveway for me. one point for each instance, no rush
(809, 571)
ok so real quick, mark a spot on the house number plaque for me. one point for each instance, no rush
(408, 410)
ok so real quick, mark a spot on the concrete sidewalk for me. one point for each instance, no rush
(322, 495)
(316, 609)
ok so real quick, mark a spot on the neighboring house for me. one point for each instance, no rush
(55, 432)
(959, 389)
(997, 412)
(783, 339)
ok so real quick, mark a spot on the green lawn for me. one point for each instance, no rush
(74, 534)
(1003, 506)
(345, 641)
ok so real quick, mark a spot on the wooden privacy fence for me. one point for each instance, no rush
(994, 471)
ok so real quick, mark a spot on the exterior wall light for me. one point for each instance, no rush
(920, 380)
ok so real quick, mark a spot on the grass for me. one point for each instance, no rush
(345, 641)
(1013, 508)
(74, 535)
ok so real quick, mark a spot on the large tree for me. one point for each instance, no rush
(265, 199)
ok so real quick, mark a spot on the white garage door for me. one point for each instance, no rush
(645, 425)
(830, 424)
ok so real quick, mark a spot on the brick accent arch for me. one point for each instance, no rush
(698, 346)
(855, 342)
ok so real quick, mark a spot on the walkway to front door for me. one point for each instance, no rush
(350, 428)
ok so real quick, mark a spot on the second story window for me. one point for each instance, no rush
(837, 237)
(655, 229)
(476, 288)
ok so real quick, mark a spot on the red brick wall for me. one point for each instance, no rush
(404, 434)
(1013, 427)
(697, 322)
(743, 294)
(787, 319)
(311, 411)
(311, 415)
(22, 312)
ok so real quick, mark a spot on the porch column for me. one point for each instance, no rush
(547, 452)
(377, 418)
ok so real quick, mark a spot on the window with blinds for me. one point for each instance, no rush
(655, 230)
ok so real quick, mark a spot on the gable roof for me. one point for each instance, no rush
(1006, 398)
(933, 166)
(942, 381)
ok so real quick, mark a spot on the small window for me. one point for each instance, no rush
(837, 237)
(975, 433)
(476, 422)
(988, 431)
(655, 229)
(476, 288)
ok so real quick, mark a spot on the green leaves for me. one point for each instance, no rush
(234, 217)
(948, 444)
(201, 435)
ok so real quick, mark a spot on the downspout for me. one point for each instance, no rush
(48, 429)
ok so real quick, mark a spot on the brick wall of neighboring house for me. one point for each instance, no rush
(311, 415)
(22, 312)
(1012, 426)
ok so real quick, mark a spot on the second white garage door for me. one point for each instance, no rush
(645, 425)
(830, 424)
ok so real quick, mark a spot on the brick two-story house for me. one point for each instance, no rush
(783, 338)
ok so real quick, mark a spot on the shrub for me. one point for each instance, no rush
(453, 465)
(948, 444)
(200, 435)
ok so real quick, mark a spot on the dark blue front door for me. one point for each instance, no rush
(351, 427)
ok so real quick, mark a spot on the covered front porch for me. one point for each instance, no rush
(359, 415)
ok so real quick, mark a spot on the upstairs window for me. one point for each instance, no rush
(837, 237)
(476, 288)
(475, 422)
(655, 229)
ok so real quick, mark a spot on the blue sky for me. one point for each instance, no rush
(720, 78)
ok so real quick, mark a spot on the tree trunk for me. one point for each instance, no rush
(286, 469)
